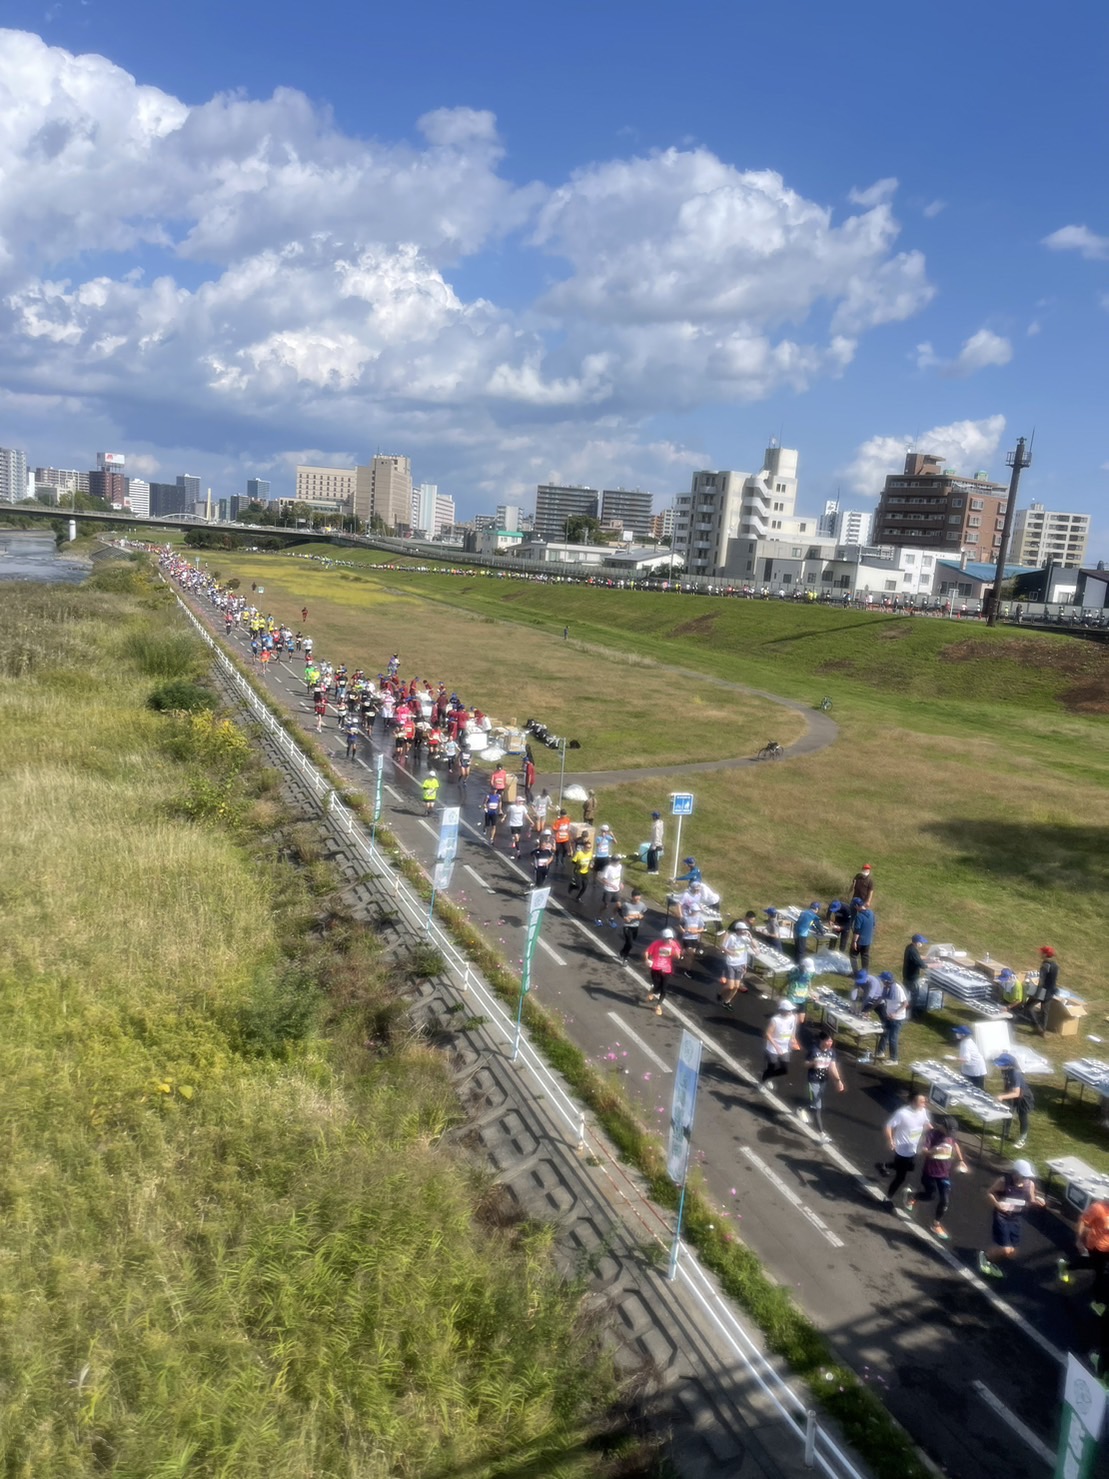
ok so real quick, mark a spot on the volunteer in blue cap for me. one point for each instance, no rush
(913, 972)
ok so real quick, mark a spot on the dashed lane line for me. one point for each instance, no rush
(792, 1197)
(551, 951)
(478, 878)
(1012, 1421)
(640, 1044)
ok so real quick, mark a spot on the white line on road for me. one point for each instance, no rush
(426, 825)
(478, 878)
(792, 1197)
(396, 795)
(558, 960)
(635, 1037)
(1011, 1420)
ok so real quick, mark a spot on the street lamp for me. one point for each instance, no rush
(553, 742)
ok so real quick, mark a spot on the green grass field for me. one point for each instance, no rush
(234, 1243)
(972, 766)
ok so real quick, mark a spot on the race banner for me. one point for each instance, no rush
(683, 1107)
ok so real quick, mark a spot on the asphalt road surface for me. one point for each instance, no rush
(970, 1367)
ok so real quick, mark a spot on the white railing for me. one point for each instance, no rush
(820, 1449)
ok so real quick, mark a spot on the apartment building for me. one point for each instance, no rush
(13, 475)
(932, 507)
(628, 509)
(324, 485)
(749, 507)
(1042, 536)
(555, 503)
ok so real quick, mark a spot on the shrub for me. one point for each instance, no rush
(180, 695)
(165, 654)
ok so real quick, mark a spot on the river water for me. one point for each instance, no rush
(28, 555)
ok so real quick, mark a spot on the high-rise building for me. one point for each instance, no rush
(257, 490)
(844, 525)
(166, 499)
(932, 506)
(64, 479)
(108, 485)
(13, 475)
(630, 508)
(555, 503)
(513, 519)
(423, 509)
(722, 506)
(444, 514)
(1042, 536)
(190, 487)
(388, 481)
(138, 496)
(662, 525)
(111, 462)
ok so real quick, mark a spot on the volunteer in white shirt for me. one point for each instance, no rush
(904, 1130)
(972, 1065)
(893, 1009)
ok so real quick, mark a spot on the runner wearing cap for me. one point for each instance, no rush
(1011, 1195)
(631, 917)
(662, 955)
(779, 1039)
(543, 856)
(735, 947)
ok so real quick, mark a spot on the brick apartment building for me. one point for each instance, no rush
(931, 506)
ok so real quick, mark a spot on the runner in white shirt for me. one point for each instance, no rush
(904, 1130)
(517, 814)
(612, 881)
(736, 959)
(780, 1040)
(539, 809)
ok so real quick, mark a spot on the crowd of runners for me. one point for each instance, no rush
(434, 737)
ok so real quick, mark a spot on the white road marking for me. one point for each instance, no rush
(635, 1037)
(792, 1197)
(426, 825)
(1011, 1420)
(396, 795)
(558, 960)
(478, 878)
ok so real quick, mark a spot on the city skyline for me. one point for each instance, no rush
(230, 258)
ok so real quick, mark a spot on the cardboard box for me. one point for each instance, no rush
(991, 969)
(1063, 1017)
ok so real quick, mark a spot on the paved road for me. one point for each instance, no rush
(970, 1369)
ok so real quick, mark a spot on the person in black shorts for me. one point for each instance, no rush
(1011, 1195)
(492, 815)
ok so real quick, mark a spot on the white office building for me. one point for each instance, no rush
(138, 496)
(1042, 537)
(845, 525)
(13, 475)
(722, 507)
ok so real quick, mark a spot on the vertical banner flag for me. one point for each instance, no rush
(537, 902)
(1080, 1428)
(448, 847)
(379, 779)
(682, 1108)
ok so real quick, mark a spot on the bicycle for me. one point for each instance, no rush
(772, 750)
(825, 704)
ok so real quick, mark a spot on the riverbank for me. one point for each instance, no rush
(235, 1241)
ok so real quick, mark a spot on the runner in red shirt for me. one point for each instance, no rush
(662, 956)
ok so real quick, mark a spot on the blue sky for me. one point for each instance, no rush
(605, 243)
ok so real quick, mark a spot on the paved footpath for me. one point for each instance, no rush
(971, 1369)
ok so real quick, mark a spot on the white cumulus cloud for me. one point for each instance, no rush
(1079, 239)
(981, 350)
(964, 445)
(241, 276)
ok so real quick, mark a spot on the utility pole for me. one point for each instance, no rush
(1018, 460)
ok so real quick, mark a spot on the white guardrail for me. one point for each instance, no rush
(820, 1449)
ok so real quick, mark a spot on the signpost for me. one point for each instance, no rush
(445, 856)
(682, 1109)
(537, 902)
(379, 781)
(1084, 1401)
(681, 805)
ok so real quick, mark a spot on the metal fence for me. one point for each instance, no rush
(820, 1450)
